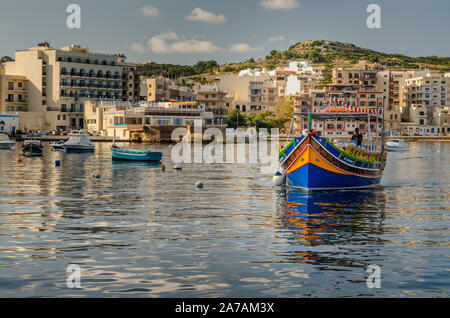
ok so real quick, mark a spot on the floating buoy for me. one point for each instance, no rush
(52, 149)
(28, 154)
(414, 148)
(57, 163)
(163, 168)
(199, 185)
(19, 160)
(278, 179)
(177, 167)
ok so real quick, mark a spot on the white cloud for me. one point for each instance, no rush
(136, 47)
(244, 47)
(171, 42)
(279, 4)
(201, 15)
(276, 39)
(149, 11)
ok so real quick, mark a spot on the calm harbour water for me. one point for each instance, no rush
(139, 232)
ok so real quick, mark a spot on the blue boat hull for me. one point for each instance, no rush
(312, 177)
(150, 157)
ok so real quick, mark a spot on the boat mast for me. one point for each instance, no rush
(309, 122)
(382, 132)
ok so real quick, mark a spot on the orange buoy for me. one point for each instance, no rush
(19, 160)
(163, 168)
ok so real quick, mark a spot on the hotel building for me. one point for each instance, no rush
(60, 81)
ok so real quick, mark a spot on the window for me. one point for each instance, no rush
(10, 98)
(10, 86)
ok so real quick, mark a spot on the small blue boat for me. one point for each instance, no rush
(130, 154)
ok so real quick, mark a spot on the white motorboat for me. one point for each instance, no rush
(57, 145)
(5, 142)
(78, 142)
(396, 145)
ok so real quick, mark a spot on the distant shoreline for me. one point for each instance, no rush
(281, 138)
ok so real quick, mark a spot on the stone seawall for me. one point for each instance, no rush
(163, 134)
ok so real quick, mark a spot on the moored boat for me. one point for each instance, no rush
(131, 154)
(396, 145)
(32, 148)
(313, 162)
(57, 145)
(5, 142)
(78, 142)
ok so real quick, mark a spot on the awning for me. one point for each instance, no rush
(339, 116)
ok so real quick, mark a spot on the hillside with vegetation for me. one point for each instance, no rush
(324, 53)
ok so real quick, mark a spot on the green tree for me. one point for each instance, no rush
(327, 75)
(5, 59)
(236, 119)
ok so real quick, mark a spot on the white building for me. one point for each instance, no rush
(9, 123)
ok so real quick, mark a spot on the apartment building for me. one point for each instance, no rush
(163, 89)
(13, 93)
(60, 82)
(130, 80)
(252, 93)
(430, 92)
(215, 100)
(442, 119)
(263, 95)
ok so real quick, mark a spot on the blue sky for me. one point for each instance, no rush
(185, 31)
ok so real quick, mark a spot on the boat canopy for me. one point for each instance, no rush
(339, 116)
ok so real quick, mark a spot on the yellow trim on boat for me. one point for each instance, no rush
(310, 156)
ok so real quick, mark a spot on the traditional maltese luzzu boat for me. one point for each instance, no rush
(313, 162)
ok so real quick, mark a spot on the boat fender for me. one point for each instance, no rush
(278, 179)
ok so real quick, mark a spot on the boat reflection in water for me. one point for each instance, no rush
(341, 228)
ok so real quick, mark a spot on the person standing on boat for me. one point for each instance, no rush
(358, 137)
